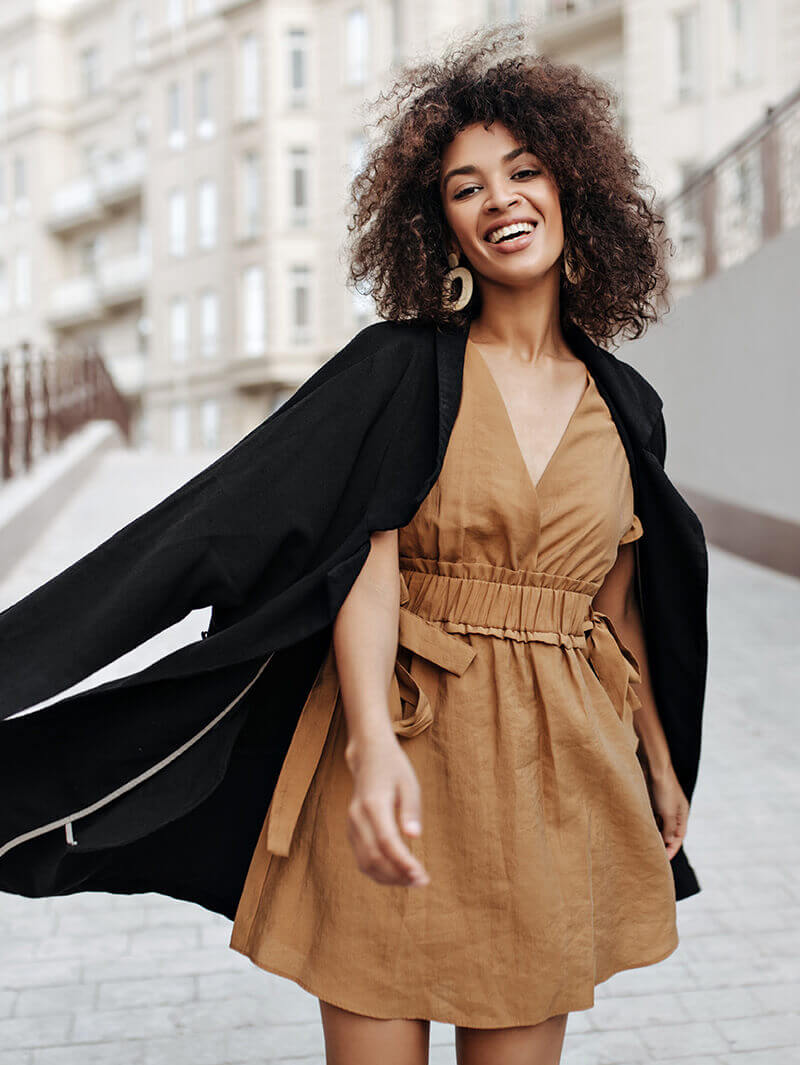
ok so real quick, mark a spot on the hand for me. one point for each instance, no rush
(670, 806)
(384, 784)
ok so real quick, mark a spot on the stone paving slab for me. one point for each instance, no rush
(98, 979)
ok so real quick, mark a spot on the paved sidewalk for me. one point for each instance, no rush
(95, 979)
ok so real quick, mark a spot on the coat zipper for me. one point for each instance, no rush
(67, 822)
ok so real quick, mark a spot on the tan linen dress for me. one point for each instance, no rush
(512, 698)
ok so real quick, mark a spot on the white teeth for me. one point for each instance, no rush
(517, 227)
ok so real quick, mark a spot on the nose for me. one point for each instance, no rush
(501, 201)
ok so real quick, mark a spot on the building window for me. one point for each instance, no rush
(175, 14)
(143, 330)
(141, 127)
(178, 329)
(138, 37)
(356, 151)
(143, 244)
(176, 136)
(686, 54)
(501, 10)
(251, 194)
(209, 323)
(741, 45)
(398, 29)
(179, 426)
(250, 74)
(91, 156)
(253, 310)
(298, 68)
(90, 70)
(207, 213)
(22, 277)
(177, 222)
(90, 253)
(300, 304)
(356, 44)
(203, 7)
(298, 187)
(20, 83)
(204, 117)
(20, 172)
(5, 298)
(209, 422)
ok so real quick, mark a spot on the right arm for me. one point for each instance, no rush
(365, 646)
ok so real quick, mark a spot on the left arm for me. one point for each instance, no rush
(617, 598)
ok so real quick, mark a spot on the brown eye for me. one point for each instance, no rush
(463, 192)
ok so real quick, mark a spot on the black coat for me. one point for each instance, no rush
(160, 781)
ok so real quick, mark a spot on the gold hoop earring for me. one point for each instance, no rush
(573, 276)
(456, 273)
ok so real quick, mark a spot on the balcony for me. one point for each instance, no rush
(123, 279)
(121, 179)
(86, 199)
(75, 302)
(255, 374)
(567, 24)
(741, 199)
(73, 205)
(85, 299)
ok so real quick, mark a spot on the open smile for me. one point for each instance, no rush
(511, 244)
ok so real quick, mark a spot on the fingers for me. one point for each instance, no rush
(391, 845)
(408, 810)
(379, 849)
(673, 829)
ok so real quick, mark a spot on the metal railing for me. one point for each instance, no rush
(742, 198)
(45, 396)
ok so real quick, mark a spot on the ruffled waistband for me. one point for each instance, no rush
(491, 600)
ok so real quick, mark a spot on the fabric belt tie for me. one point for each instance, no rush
(614, 664)
(410, 705)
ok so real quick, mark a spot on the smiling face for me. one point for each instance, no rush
(487, 180)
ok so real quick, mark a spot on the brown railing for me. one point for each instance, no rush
(45, 396)
(742, 198)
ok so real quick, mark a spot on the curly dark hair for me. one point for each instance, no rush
(398, 230)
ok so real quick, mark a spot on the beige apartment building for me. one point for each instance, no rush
(174, 173)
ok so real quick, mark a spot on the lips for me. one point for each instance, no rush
(513, 244)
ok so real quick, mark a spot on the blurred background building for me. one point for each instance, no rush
(174, 186)
(173, 172)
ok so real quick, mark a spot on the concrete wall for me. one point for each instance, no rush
(726, 360)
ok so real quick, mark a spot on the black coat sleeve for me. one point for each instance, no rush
(257, 521)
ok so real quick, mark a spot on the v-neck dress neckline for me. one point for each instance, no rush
(536, 485)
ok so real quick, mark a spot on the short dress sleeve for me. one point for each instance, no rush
(634, 532)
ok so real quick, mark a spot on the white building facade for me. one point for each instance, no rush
(174, 173)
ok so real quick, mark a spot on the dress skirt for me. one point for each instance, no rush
(513, 700)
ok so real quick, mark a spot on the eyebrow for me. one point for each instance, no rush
(470, 169)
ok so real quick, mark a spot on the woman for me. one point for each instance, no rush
(489, 759)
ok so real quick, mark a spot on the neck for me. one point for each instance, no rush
(523, 322)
